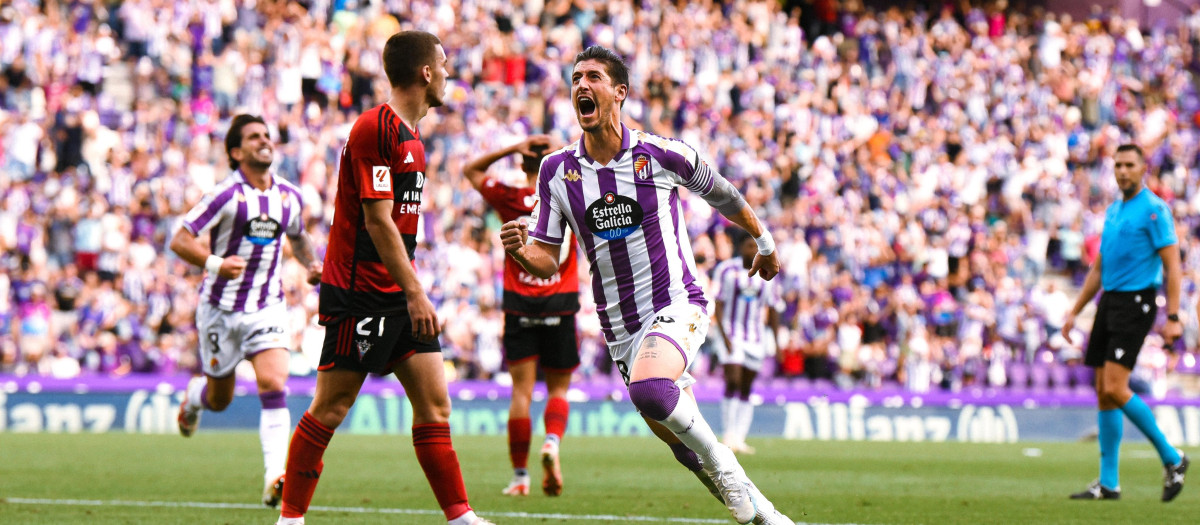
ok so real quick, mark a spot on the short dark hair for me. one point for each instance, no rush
(233, 139)
(405, 53)
(1129, 146)
(617, 70)
(531, 164)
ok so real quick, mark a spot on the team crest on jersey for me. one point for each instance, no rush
(614, 216)
(364, 346)
(640, 167)
(571, 175)
(262, 230)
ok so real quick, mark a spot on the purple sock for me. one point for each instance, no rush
(277, 399)
(686, 457)
(204, 398)
(655, 397)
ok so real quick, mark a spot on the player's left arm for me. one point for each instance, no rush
(303, 251)
(1166, 241)
(1172, 277)
(727, 200)
(697, 176)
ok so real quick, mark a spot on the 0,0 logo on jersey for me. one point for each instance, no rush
(614, 217)
(262, 230)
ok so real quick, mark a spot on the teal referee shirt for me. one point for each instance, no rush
(1134, 231)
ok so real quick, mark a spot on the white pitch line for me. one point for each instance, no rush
(362, 510)
(355, 510)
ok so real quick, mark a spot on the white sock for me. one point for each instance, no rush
(744, 417)
(273, 428)
(687, 423)
(194, 389)
(290, 521)
(465, 519)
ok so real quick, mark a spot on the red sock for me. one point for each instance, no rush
(304, 465)
(436, 455)
(557, 410)
(518, 441)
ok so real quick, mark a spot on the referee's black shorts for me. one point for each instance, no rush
(1122, 321)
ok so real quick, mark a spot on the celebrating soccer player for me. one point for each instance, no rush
(242, 314)
(378, 317)
(539, 322)
(617, 188)
(1137, 245)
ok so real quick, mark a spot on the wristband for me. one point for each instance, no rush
(766, 243)
(213, 264)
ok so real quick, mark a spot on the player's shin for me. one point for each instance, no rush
(304, 465)
(435, 453)
(273, 426)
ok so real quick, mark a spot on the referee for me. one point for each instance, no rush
(1137, 247)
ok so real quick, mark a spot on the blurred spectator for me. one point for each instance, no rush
(956, 158)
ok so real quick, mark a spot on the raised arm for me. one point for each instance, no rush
(538, 258)
(729, 202)
(476, 170)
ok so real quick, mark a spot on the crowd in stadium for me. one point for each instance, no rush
(935, 179)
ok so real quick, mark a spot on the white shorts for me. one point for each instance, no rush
(682, 325)
(744, 353)
(228, 337)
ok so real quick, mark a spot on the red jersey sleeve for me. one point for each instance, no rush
(372, 172)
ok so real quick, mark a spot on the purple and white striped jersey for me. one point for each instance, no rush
(745, 300)
(628, 218)
(249, 223)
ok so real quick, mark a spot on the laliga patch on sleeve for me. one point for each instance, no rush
(381, 178)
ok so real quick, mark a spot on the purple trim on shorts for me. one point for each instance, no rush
(672, 341)
(276, 399)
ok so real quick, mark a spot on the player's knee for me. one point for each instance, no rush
(686, 457)
(655, 397)
(218, 401)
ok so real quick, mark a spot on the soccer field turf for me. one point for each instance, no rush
(216, 478)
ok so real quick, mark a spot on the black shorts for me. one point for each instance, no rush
(371, 344)
(550, 340)
(1122, 321)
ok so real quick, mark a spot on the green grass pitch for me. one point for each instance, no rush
(216, 478)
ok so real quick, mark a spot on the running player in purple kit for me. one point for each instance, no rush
(242, 314)
(617, 189)
(742, 302)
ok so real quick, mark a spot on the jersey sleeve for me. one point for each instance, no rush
(209, 211)
(1162, 227)
(690, 170)
(548, 222)
(295, 225)
(371, 169)
(497, 195)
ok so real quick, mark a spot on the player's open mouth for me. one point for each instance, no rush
(587, 106)
(264, 151)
